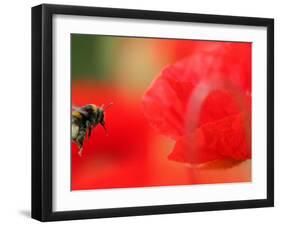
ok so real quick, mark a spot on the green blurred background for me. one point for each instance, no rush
(126, 62)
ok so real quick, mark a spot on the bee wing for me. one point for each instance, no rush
(75, 108)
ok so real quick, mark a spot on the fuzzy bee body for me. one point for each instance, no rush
(74, 130)
(84, 120)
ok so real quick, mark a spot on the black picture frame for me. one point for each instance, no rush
(42, 107)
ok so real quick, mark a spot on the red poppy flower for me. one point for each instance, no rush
(203, 102)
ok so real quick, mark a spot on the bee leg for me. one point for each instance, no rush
(89, 126)
(80, 145)
(80, 140)
(80, 151)
(89, 132)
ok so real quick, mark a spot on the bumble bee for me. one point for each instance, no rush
(84, 119)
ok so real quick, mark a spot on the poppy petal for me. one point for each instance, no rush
(223, 139)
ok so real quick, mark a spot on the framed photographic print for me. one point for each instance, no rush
(145, 112)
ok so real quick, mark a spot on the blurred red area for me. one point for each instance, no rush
(124, 157)
(132, 154)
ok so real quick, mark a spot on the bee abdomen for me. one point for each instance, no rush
(74, 131)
